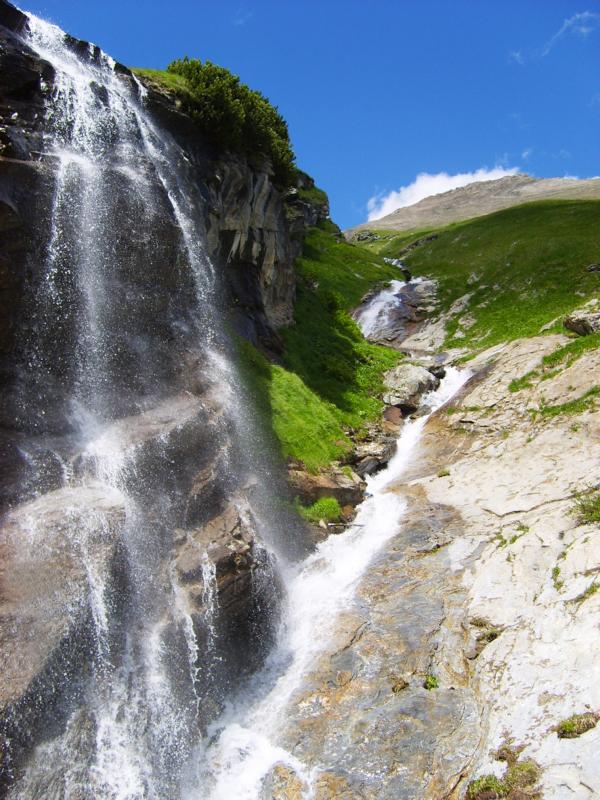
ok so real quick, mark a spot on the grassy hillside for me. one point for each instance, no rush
(330, 381)
(523, 267)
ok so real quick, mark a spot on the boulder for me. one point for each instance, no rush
(593, 268)
(406, 384)
(372, 456)
(347, 487)
(584, 321)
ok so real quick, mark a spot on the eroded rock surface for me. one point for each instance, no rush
(60, 556)
(406, 384)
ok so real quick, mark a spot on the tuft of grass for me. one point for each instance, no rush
(586, 402)
(556, 580)
(555, 362)
(443, 473)
(575, 725)
(326, 509)
(431, 682)
(587, 506)
(519, 775)
(588, 592)
(533, 255)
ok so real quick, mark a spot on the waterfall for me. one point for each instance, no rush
(245, 744)
(127, 384)
(127, 394)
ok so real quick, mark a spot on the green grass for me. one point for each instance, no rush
(575, 725)
(431, 682)
(325, 347)
(296, 421)
(555, 362)
(556, 579)
(587, 593)
(326, 509)
(330, 382)
(586, 402)
(587, 506)
(518, 775)
(163, 79)
(530, 261)
(390, 244)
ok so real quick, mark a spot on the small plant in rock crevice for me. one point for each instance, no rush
(576, 725)
(431, 682)
(586, 506)
(519, 780)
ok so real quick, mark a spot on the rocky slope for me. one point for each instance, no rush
(478, 199)
(473, 641)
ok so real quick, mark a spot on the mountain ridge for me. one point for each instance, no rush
(479, 199)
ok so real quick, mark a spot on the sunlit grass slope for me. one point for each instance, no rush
(523, 267)
(330, 380)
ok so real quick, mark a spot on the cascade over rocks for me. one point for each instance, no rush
(130, 532)
(407, 383)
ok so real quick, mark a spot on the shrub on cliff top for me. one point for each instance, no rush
(234, 116)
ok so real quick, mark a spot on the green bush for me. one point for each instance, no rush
(234, 116)
(326, 509)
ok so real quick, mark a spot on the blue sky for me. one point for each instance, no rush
(377, 93)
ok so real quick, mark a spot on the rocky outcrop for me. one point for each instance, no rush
(406, 384)
(364, 724)
(228, 586)
(345, 485)
(586, 320)
(254, 228)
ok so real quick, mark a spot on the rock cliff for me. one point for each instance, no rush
(168, 437)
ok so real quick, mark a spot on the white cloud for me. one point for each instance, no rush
(426, 185)
(242, 16)
(516, 57)
(527, 153)
(581, 24)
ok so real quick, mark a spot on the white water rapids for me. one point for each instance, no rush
(246, 744)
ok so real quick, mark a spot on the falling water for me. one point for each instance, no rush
(105, 353)
(102, 362)
(246, 740)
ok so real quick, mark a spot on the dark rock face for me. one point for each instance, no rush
(254, 228)
(228, 583)
(177, 523)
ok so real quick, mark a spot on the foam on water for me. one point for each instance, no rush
(246, 747)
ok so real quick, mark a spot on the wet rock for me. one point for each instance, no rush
(406, 384)
(227, 582)
(282, 783)
(56, 551)
(371, 456)
(361, 723)
(593, 268)
(437, 370)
